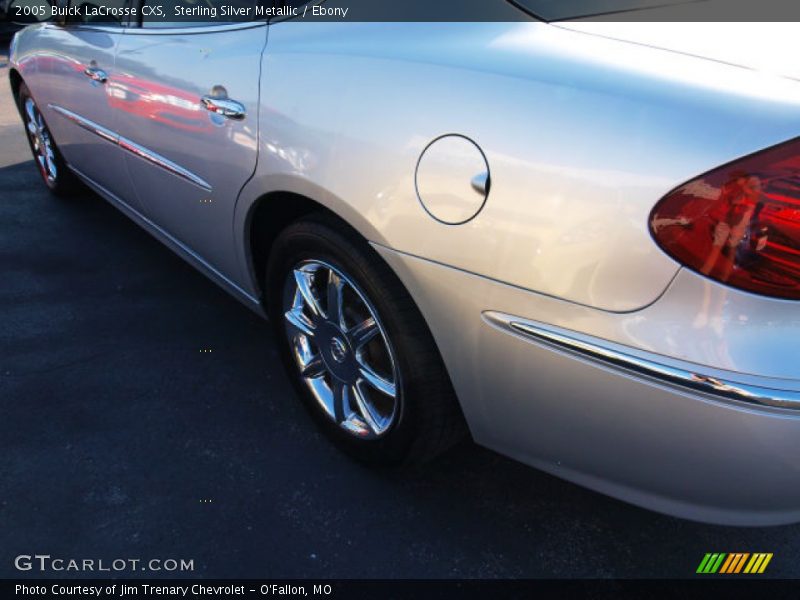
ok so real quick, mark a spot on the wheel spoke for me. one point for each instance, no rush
(362, 333)
(335, 288)
(300, 322)
(303, 282)
(31, 111)
(314, 367)
(379, 383)
(51, 163)
(374, 421)
(338, 400)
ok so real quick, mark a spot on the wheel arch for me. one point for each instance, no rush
(16, 81)
(266, 218)
(271, 213)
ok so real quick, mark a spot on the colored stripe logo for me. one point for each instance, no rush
(735, 562)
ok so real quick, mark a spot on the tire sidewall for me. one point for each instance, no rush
(59, 186)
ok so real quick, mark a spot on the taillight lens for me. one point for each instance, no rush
(740, 223)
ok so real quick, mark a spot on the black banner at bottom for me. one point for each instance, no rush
(395, 589)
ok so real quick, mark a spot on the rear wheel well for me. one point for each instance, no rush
(271, 215)
(16, 81)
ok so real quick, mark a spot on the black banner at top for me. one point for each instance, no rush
(168, 13)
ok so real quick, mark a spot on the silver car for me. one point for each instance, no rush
(577, 242)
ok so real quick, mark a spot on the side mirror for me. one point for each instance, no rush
(25, 12)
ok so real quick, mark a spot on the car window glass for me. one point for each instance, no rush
(195, 13)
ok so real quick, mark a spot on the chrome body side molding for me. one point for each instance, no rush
(162, 162)
(88, 125)
(677, 373)
(132, 147)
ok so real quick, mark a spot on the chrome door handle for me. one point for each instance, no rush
(225, 107)
(96, 74)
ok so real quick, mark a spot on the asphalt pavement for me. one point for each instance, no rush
(120, 438)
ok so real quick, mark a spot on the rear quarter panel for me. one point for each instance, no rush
(582, 134)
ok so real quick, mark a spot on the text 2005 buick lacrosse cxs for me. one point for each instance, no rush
(577, 242)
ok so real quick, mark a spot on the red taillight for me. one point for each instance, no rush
(739, 224)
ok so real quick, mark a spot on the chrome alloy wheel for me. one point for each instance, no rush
(341, 349)
(41, 142)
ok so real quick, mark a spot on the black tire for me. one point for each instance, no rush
(62, 182)
(429, 420)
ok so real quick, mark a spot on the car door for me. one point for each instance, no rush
(188, 118)
(75, 88)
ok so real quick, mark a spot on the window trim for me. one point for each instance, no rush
(136, 28)
(284, 3)
(139, 30)
(70, 23)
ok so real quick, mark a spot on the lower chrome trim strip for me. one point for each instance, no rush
(680, 376)
(171, 241)
(132, 147)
